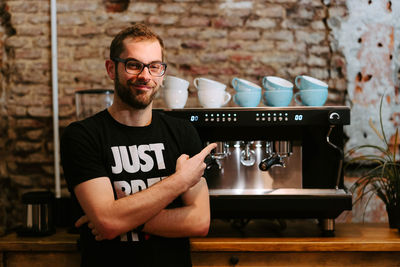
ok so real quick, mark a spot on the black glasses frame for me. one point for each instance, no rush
(125, 61)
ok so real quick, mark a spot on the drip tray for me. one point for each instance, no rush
(279, 203)
(281, 191)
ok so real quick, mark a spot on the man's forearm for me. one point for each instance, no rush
(190, 220)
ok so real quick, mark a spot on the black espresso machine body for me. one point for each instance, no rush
(274, 162)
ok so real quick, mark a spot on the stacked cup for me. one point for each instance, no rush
(279, 92)
(211, 93)
(313, 92)
(248, 94)
(175, 91)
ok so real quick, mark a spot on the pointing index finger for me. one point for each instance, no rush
(203, 154)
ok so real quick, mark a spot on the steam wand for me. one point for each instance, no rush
(341, 155)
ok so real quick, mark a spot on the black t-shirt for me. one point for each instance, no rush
(134, 158)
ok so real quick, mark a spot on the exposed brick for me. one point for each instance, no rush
(174, 8)
(245, 35)
(319, 73)
(28, 53)
(205, 9)
(227, 22)
(20, 89)
(67, 19)
(39, 111)
(241, 57)
(316, 61)
(18, 19)
(143, 7)
(319, 50)
(17, 42)
(310, 37)
(21, 180)
(32, 30)
(163, 20)
(262, 23)
(89, 30)
(214, 57)
(86, 52)
(181, 32)
(270, 11)
(259, 46)
(194, 21)
(65, 31)
(76, 6)
(212, 34)
(42, 42)
(172, 43)
(180, 58)
(42, 19)
(194, 44)
(282, 35)
(29, 123)
(282, 58)
(23, 146)
(291, 46)
(35, 135)
(23, 6)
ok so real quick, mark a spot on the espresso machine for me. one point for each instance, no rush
(276, 163)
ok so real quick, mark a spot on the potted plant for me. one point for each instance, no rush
(382, 175)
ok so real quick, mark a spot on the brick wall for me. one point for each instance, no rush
(216, 39)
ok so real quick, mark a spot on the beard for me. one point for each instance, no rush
(134, 99)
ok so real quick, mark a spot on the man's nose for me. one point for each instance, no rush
(145, 74)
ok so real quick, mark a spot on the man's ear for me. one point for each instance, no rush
(110, 67)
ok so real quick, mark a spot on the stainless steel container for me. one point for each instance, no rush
(38, 216)
(89, 102)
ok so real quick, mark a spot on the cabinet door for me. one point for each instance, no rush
(41, 259)
(296, 259)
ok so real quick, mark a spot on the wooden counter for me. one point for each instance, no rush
(257, 244)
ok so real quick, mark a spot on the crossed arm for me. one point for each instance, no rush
(109, 218)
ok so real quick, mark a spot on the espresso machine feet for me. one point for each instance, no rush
(327, 227)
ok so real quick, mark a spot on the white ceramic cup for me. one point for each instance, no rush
(213, 98)
(175, 83)
(205, 84)
(175, 98)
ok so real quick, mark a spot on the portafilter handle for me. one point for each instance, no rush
(272, 161)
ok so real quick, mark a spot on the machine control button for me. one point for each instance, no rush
(334, 117)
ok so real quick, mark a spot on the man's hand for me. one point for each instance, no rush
(84, 219)
(192, 169)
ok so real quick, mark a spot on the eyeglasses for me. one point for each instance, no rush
(135, 67)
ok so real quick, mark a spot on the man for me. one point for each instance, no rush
(136, 173)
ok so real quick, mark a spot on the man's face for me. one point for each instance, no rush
(138, 91)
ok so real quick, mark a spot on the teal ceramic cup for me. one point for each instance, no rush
(304, 82)
(247, 99)
(241, 85)
(271, 83)
(277, 98)
(311, 97)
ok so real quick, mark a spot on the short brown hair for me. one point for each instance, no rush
(139, 32)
